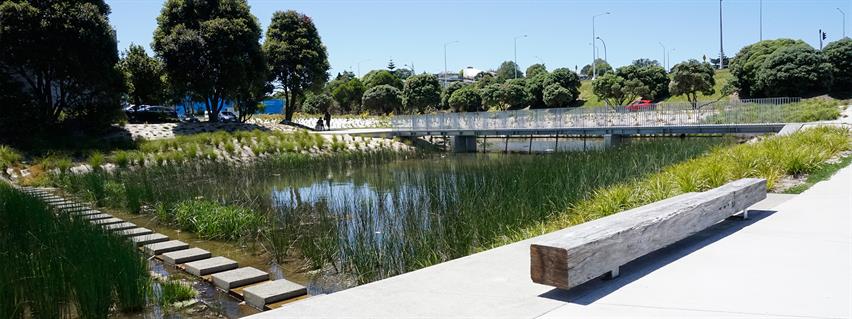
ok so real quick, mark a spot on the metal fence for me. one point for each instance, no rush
(769, 110)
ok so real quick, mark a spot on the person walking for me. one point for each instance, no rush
(319, 126)
(327, 117)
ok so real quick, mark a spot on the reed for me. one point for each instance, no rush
(173, 291)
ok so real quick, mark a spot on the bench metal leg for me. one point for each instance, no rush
(612, 273)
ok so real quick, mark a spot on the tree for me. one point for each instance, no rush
(391, 66)
(297, 59)
(466, 99)
(382, 99)
(514, 95)
(347, 92)
(421, 92)
(318, 103)
(795, 71)
(210, 50)
(839, 54)
(491, 99)
(143, 76)
(615, 90)
(448, 91)
(557, 96)
(601, 68)
(535, 69)
(565, 78)
(653, 77)
(403, 73)
(749, 60)
(535, 86)
(60, 57)
(508, 70)
(381, 77)
(643, 62)
(690, 78)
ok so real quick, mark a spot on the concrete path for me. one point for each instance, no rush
(791, 259)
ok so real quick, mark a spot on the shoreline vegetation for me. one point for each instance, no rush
(428, 218)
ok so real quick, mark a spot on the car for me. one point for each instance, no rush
(190, 119)
(152, 114)
(642, 105)
(227, 117)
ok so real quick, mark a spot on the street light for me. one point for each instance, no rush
(594, 55)
(359, 66)
(604, 45)
(515, 40)
(445, 60)
(844, 21)
(663, 64)
(669, 58)
(721, 50)
(761, 20)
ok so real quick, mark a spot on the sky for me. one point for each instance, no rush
(559, 33)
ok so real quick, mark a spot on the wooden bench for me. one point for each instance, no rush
(575, 255)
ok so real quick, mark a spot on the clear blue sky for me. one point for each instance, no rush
(559, 32)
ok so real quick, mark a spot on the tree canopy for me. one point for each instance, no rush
(318, 103)
(535, 69)
(748, 62)
(448, 91)
(297, 58)
(421, 93)
(382, 99)
(794, 71)
(60, 58)
(839, 54)
(615, 90)
(143, 76)
(643, 62)
(690, 78)
(466, 99)
(601, 67)
(557, 96)
(652, 76)
(508, 70)
(381, 77)
(347, 92)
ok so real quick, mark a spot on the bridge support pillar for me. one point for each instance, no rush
(611, 140)
(464, 144)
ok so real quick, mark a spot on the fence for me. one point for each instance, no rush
(769, 110)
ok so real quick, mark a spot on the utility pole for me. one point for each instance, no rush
(663, 63)
(721, 49)
(761, 20)
(445, 60)
(515, 61)
(594, 53)
(844, 21)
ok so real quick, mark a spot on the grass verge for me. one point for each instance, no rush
(820, 174)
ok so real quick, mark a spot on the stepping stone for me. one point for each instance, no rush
(164, 247)
(86, 212)
(96, 216)
(273, 291)
(107, 221)
(239, 277)
(210, 266)
(185, 256)
(120, 226)
(149, 239)
(138, 231)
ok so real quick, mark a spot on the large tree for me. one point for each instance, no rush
(652, 76)
(297, 58)
(601, 68)
(421, 92)
(615, 90)
(347, 92)
(557, 96)
(382, 77)
(795, 71)
(60, 57)
(839, 54)
(143, 76)
(690, 78)
(448, 92)
(382, 99)
(535, 69)
(509, 70)
(210, 50)
(466, 99)
(565, 78)
(514, 95)
(749, 61)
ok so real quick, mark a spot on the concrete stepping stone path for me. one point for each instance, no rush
(273, 291)
(164, 247)
(96, 216)
(149, 239)
(138, 231)
(210, 266)
(106, 221)
(238, 277)
(120, 226)
(185, 256)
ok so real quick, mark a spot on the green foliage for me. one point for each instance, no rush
(536, 69)
(466, 99)
(820, 174)
(318, 103)
(173, 291)
(615, 90)
(490, 95)
(644, 62)
(514, 95)
(8, 158)
(421, 93)
(839, 54)
(601, 68)
(80, 83)
(296, 56)
(557, 96)
(382, 99)
(96, 159)
(214, 221)
(794, 71)
(347, 92)
(690, 78)
(652, 76)
(143, 76)
(381, 77)
(535, 86)
(508, 70)
(448, 92)
(749, 63)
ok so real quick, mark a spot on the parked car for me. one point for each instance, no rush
(642, 105)
(228, 117)
(190, 119)
(152, 114)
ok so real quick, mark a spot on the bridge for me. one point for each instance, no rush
(755, 116)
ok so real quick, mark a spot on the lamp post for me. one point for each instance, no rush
(445, 60)
(594, 36)
(669, 58)
(515, 40)
(359, 66)
(721, 50)
(604, 45)
(844, 21)
(663, 64)
(761, 20)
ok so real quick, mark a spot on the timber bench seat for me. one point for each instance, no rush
(575, 255)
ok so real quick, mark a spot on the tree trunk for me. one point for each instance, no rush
(290, 107)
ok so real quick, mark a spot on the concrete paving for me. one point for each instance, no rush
(210, 266)
(790, 259)
(265, 293)
(186, 255)
(239, 277)
(120, 226)
(96, 216)
(149, 239)
(138, 231)
(165, 247)
(107, 221)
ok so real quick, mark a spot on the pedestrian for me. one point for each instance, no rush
(327, 120)
(319, 126)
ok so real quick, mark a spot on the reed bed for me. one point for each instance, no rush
(57, 267)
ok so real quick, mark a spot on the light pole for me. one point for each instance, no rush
(515, 40)
(721, 50)
(669, 58)
(594, 54)
(844, 21)
(359, 66)
(761, 20)
(604, 45)
(445, 60)
(664, 56)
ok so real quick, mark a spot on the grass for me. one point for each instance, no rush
(8, 157)
(806, 111)
(56, 266)
(820, 174)
(173, 291)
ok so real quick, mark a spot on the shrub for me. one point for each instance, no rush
(213, 221)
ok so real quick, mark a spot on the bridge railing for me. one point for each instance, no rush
(771, 110)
